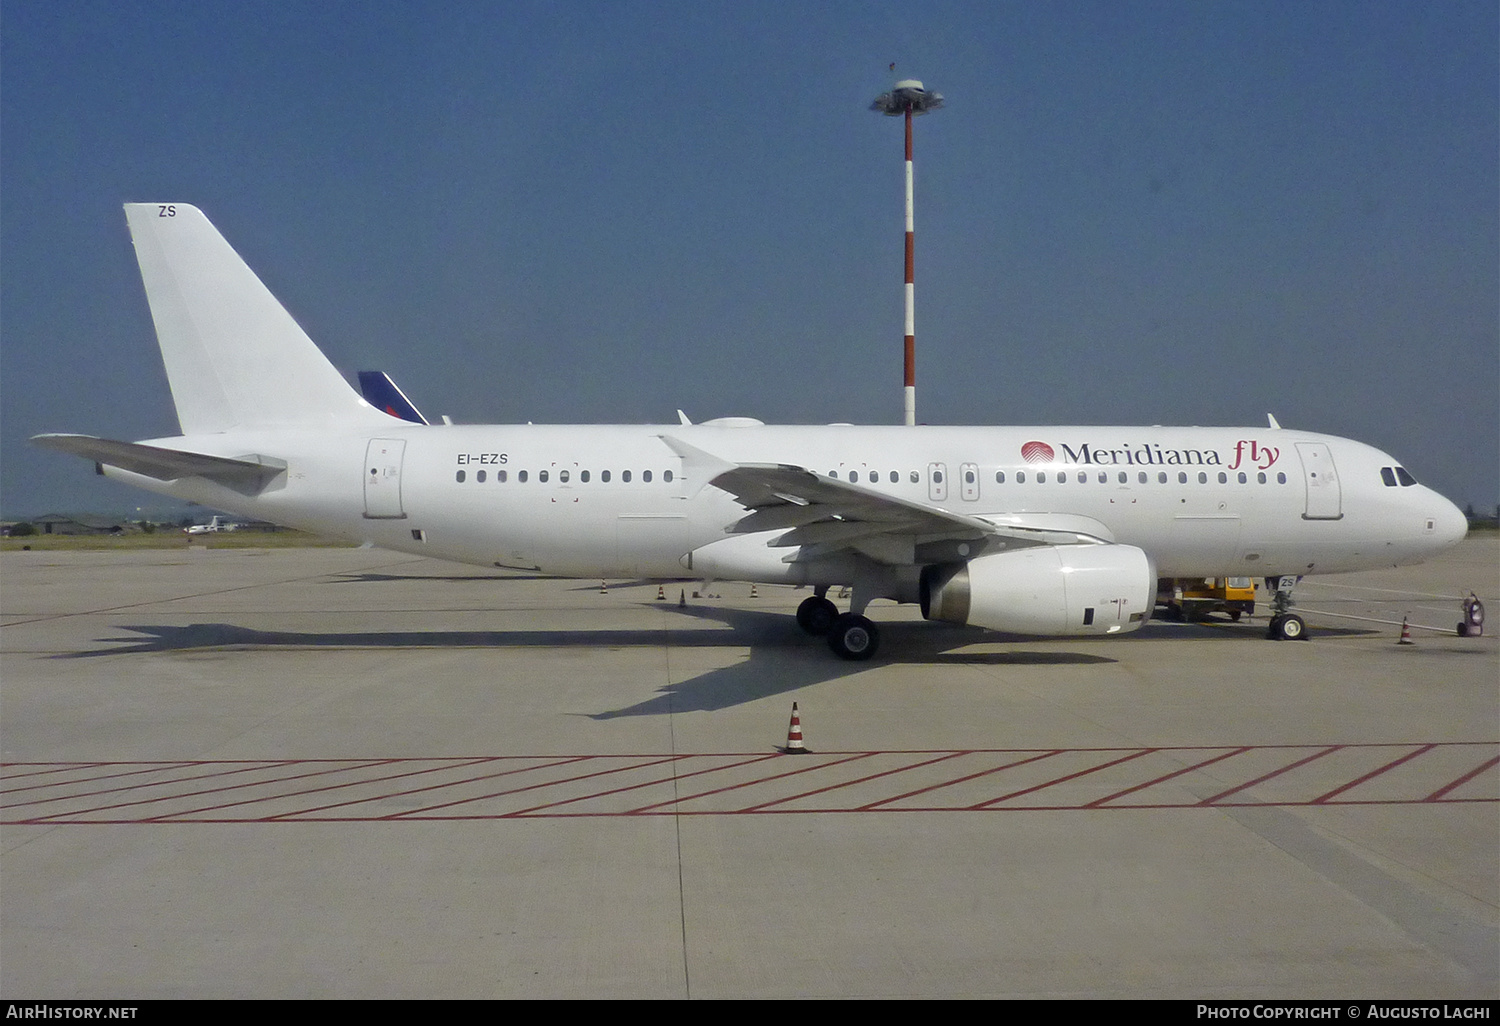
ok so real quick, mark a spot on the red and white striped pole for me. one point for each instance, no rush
(910, 389)
(908, 98)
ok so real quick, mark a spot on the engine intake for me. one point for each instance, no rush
(1054, 590)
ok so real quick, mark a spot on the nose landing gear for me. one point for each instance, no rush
(1285, 625)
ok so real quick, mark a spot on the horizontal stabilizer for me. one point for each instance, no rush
(250, 474)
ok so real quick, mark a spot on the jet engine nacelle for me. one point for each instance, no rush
(1053, 589)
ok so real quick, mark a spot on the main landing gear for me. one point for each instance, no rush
(850, 635)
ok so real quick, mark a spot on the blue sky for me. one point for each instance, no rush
(1127, 213)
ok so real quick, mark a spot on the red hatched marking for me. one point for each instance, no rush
(748, 783)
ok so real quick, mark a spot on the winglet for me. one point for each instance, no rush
(384, 394)
(1272, 418)
(683, 418)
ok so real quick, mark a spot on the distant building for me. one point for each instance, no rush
(78, 523)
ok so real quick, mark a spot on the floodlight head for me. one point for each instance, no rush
(908, 95)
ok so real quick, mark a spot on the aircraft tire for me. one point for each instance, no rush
(853, 637)
(816, 615)
(1290, 627)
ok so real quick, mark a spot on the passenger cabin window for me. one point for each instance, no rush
(501, 476)
(583, 475)
(625, 476)
(915, 477)
(895, 477)
(1202, 477)
(542, 476)
(521, 476)
(999, 477)
(874, 477)
(479, 476)
(459, 477)
(1124, 477)
(646, 476)
(1020, 477)
(1281, 479)
(604, 476)
(1161, 478)
(666, 475)
(1141, 477)
(1182, 477)
(562, 477)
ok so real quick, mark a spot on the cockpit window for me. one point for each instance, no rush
(1406, 479)
(1388, 476)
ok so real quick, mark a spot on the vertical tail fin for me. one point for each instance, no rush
(384, 394)
(234, 356)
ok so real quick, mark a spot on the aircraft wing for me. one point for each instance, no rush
(249, 473)
(824, 515)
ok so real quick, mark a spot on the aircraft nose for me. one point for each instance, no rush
(1450, 523)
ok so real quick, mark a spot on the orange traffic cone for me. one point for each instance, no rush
(682, 598)
(661, 593)
(1405, 633)
(602, 589)
(794, 734)
(752, 592)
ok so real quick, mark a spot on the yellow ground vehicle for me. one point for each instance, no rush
(1194, 598)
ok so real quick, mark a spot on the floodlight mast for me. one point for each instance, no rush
(908, 98)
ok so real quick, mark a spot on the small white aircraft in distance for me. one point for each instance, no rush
(1059, 531)
(214, 526)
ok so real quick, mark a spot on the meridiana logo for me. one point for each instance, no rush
(1247, 452)
(1037, 452)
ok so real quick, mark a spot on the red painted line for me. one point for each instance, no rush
(72, 795)
(303, 813)
(70, 767)
(1373, 773)
(1065, 779)
(534, 787)
(963, 779)
(1108, 809)
(1175, 773)
(647, 783)
(851, 783)
(1436, 795)
(1275, 773)
(285, 795)
(54, 768)
(211, 790)
(757, 782)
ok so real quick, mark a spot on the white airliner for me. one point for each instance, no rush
(1034, 530)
